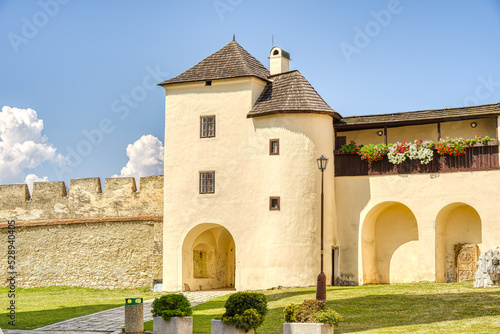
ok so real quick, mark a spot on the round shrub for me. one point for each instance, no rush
(292, 312)
(245, 310)
(329, 317)
(312, 311)
(173, 305)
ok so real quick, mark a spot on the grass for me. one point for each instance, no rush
(405, 308)
(37, 307)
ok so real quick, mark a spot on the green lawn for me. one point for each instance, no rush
(407, 308)
(38, 307)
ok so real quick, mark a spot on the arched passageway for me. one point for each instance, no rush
(208, 258)
(458, 230)
(389, 244)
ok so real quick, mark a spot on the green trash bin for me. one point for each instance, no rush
(134, 316)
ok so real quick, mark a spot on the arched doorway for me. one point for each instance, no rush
(456, 224)
(389, 244)
(208, 258)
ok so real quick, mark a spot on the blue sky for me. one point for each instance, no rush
(88, 68)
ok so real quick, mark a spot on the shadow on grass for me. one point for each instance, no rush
(380, 311)
(36, 319)
(376, 309)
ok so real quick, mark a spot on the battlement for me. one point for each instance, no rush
(83, 199)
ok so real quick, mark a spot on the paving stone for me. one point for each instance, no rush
(111, 321)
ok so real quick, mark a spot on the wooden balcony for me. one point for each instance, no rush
(480, 157)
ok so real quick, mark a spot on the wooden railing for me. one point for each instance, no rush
(477, 158)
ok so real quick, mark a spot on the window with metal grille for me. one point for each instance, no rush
(207, 126)
(274, 147)
(207, 182)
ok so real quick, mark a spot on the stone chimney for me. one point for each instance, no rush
(279, 60)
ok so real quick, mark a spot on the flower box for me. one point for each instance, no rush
(486, 143)
(176, 325)
(218, 327)
(306, 328)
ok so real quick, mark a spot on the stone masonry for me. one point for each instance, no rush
(87, 238)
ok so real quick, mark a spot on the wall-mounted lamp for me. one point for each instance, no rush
(473, 124)
(380, 132)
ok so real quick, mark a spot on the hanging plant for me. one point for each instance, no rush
(350, 148)
(422, 151)
(478, 139)
(451, 146)
(372, 152)
(397, 153)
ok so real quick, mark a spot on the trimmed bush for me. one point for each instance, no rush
(311, 311)
(245, 310)
(172, 305)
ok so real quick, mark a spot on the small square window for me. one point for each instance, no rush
(274, 147)
(274, 203)
(207, 126)
(207, 182)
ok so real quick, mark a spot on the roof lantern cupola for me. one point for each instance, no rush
(279, 61)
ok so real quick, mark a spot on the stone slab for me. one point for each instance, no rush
(306, 328)
(175, 325)
(218, 327)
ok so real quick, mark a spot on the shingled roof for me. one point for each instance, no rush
(290, 92)
(417, 117)
(232, 61)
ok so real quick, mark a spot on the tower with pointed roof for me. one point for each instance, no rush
(241, 182)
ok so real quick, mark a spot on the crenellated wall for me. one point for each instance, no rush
(85, 199)
(84, 236)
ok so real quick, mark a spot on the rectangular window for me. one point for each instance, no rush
(274, 203)
(274, 147)
(207, 182)
(207, 126)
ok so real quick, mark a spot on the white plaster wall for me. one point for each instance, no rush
(425, 195)
(272, 247)
(485, 127)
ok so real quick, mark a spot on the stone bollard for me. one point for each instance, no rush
(134, 316)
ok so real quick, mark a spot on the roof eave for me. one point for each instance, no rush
(389, 124)
(333, 114)
(165, 83)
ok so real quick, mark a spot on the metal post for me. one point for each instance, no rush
(321, 284)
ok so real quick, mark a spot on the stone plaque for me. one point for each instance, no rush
(466, 257)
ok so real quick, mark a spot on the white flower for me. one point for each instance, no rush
(415, 152)
(394, 157)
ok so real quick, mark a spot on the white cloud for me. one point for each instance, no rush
(22, 144)
(145, 158)
(30, 178)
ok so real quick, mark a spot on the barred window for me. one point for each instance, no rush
(274, 147)
(207, 126)
(207, 182)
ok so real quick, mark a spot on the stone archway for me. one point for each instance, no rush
(208, 258)
(456, 224)
(389, 239)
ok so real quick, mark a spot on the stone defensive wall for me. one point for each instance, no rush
(83, 236)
